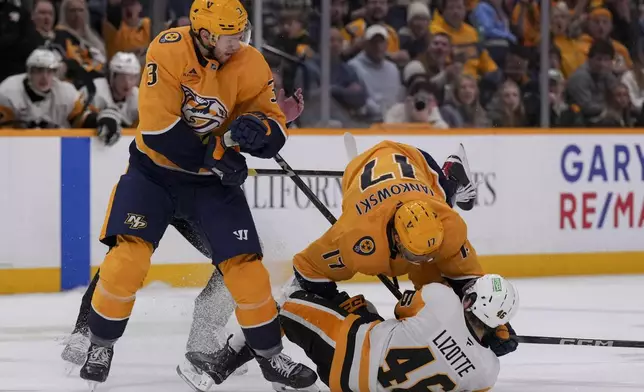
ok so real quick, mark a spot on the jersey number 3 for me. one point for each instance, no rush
(367, 179)
(153, 74)
(402, 361)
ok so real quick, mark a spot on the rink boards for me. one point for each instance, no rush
(557, 203)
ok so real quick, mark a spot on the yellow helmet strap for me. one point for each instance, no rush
(207, 45)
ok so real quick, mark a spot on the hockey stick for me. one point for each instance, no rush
(580, 341)
(306, 173)
(325, 211)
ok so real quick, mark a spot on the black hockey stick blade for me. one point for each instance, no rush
(580, 341)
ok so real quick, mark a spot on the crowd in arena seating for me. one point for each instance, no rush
(436, 63)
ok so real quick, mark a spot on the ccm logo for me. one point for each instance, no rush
(587, 342)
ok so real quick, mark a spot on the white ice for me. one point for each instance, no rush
(32, 326)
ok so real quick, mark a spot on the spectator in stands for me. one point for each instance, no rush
(620, 111)
(465, 40)
(561, 113)
(380, 76)
(81, 48)
(340, 18)
(294, 38)
(436, 62)
(571, 49)
(516, 68)
(494, 28)
(414, 37)
(375, 13)
(418, 107)
(526, 22)
(462, 105)
(634, 81)
(510, 112)
(37, 99)
(124, 30)
(15, 45)
(43, 16)
(589, 86)
(346, 87)
(600, 27)
(624, 28)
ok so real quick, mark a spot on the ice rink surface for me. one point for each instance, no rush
(33, 326)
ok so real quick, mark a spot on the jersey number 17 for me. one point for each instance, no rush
(405, 171)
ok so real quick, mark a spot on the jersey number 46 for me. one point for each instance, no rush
(402, 361)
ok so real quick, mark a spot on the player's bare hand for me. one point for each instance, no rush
(292, 106)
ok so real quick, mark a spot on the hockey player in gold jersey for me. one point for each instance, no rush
(199, 82)
(397, 218)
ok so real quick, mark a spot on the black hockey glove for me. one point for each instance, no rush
(227, 163)
(249, 131)
(109, 126)
(501, 341)
(357, 305)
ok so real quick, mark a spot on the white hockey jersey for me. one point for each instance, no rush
(430, 350)
(59, 108)
(128, 108)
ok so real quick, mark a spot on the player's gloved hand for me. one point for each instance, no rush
(357, 305)
(502, 341)
(249, 131)
(109, 126)
(228, 163)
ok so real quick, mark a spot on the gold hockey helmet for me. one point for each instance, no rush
(420, 232)
(219, 17)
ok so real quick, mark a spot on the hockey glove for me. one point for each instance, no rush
(227, 163)
(501, 341)
(249, 131)
(357, 305)
(109, 126)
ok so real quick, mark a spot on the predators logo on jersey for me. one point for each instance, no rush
(202, 113)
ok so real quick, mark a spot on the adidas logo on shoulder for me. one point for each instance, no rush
(192, 73)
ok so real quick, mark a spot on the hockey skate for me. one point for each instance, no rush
(456, 168)
(97, 365)
(75, 351)
(286, 375)
(201, 371)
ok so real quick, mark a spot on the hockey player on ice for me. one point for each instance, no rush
(213, 306)
(435, 342)
(201, 82)
(38, 99)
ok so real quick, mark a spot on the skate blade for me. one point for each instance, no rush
(240, 371)
(71, 368)
(279, 387)
(92, 385)
(202, 385)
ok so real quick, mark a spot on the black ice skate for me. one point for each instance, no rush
(97, 366)
(286, 375)
(201, 370)
(457, 169)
